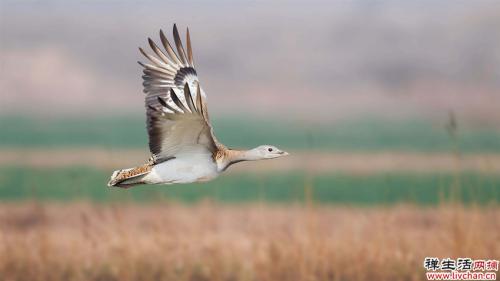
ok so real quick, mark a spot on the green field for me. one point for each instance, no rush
(366, 134)
(77, 183)
(74, 183)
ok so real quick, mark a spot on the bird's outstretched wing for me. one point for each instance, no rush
(177, 117)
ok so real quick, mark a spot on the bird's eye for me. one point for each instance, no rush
(269, 149)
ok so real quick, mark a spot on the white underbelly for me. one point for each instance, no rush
(183, 170)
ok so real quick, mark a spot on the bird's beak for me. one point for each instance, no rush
(284, 153)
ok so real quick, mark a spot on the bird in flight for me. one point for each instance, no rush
(181, 140)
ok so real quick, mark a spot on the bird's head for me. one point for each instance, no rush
(269, 152)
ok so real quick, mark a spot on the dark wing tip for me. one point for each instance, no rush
(178, 44)
(162, 101)
(189, 47)
(151, 42)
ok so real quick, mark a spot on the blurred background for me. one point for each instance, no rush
(390, 109)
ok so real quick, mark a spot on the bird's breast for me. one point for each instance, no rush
(185, 170)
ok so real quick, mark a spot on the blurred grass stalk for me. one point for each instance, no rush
(452, 130)
(457, 224)
(309, 191)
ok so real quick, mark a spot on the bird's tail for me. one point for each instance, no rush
(126, 178)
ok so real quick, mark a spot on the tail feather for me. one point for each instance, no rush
(129, 177)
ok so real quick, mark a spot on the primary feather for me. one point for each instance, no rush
(171, 85)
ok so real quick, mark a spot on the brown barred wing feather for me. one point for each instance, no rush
(177, 117)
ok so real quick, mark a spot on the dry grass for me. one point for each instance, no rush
(81, 241)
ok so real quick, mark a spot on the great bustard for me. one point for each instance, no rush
(181, 140)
